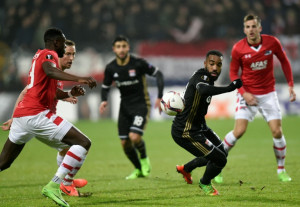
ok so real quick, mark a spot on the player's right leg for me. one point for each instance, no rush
(9, 153)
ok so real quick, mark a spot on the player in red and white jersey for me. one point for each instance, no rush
(69, 185)
(34, 115)
(253, 55)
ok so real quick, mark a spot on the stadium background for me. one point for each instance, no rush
(173, 35)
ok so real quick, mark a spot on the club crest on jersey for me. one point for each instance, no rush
(259, 65)
(268, 52)
(204, 77)
(208, 99)
(50, 57)
(132, 73)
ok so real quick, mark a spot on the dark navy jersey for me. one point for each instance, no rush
(130, 79)
(192, 118)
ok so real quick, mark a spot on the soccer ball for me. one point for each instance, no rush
(172, 103)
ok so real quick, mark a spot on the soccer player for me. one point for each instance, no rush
(34, 115)
(254, 56)
(189, 129)
(128, 72)
(69, 185)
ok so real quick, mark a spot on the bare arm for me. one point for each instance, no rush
(53, 72)
(6, 125)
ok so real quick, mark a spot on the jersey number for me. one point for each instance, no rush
(31, 75)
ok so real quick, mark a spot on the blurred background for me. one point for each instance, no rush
(173, 35)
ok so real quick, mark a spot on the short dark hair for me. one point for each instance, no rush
(214, 52)
(52, 33)
(70, 43)
(120, 38)
(252, 17)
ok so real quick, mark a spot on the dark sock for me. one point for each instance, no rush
(197, 162)
(133, 156)
(141, 147)
(211, 171)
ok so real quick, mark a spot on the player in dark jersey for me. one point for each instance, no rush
(128, 73)
(189, 129)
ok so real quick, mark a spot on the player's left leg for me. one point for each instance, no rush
(69, 179)
(140, 145)
(279, 146)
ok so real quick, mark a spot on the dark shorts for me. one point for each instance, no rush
(199, 143)
(132, 119)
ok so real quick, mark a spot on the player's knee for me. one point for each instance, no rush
(277, 133)
(221, 162)
(135, 138)
(86, 143)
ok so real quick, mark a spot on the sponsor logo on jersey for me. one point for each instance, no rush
(268, 52)
(50, 57)
(116, 75)
(126, 83)
(259, 65)
(248, 56)
(132, 73)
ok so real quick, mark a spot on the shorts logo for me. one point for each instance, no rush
(132, 73)
(116, 75)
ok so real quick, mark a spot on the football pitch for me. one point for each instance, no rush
(250, 177)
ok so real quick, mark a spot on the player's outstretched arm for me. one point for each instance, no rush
(53, 72)
(205, 89)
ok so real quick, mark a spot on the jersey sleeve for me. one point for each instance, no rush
(235, 66)
(285, 63)
(50, 56)
(108, 79)
(147, 67)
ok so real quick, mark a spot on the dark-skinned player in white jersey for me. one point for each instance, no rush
(129, 74)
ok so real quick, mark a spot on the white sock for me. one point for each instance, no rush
(70, 176)
(229, 141)
(279, 146)
(71, 160)
(59, 159)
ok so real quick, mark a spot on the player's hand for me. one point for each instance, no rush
(78, 91)
(292, 94)
(250, 99)
(6, 125)
(237, 83)
(90, 81)
(157, 105)
(72, 100)
(102, 107)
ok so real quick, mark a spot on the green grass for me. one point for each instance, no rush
(252, 161)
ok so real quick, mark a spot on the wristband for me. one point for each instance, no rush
(70, 94)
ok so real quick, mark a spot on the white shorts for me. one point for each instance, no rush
(268, 106)
(45, 126)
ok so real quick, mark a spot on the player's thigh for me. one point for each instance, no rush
(269, 106)
(75, 137)
(20, 131)
(198, 145)
(243, 111)
(139, 120)
(124, 123)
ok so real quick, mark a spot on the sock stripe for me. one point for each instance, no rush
(67, 166)
(279, 148)
(71, 154)
(230, 145)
